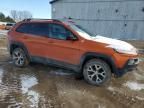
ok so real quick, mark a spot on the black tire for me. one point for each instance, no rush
(97, 72)
(19, 57)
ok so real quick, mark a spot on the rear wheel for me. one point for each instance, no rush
(19, 57)
(97, 72)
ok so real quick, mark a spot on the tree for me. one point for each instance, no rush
(20, 15)
(3, 18)
(14, 14)
(9, 19)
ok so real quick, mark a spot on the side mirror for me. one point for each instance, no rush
(71, 38)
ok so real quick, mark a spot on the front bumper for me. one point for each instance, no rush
(130, 65)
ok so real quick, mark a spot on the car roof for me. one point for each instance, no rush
(41, 20)
(66, 21)
(61, 21)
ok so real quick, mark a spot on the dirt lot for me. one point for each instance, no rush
(39, 86)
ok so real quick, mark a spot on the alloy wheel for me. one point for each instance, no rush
(96, 73)
(18, 57)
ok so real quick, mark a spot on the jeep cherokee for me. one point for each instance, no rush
(68, 45)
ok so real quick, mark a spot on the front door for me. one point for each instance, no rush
(59, 47)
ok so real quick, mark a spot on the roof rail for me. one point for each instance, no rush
(29, 19)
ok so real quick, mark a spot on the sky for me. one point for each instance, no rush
(38, 8)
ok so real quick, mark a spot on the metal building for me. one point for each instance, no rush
(122, 19)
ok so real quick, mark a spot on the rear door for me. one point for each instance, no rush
(33, 35)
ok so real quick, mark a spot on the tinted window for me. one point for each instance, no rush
(23, 28)
(34, 28)
(39, 29)
(58, 31)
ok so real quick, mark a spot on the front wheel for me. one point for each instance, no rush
(19, 57)
(97, 72)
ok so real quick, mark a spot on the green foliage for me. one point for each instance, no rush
(3, 18)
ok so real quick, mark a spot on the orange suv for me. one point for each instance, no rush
(68, 45)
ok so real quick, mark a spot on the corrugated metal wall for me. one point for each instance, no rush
(122, 19)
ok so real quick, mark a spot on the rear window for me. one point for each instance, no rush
(34, 28)
(23, 28)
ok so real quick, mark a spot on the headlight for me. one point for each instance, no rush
(124, 50)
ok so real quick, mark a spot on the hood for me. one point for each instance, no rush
(114, 43)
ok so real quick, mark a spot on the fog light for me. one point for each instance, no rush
(133, 61)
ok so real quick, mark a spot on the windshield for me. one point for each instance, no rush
(80, 27)
(81, 31)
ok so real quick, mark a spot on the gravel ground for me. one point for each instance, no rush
(40, 86)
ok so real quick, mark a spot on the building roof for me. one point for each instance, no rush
(53, 1)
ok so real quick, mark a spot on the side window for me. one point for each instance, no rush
(58, 32)
(40, 29)
(23, 28)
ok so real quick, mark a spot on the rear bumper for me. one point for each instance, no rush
(130, 65)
